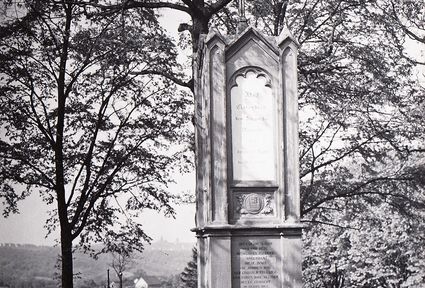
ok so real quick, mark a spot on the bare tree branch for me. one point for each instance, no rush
(130, 4)
(358, 190)
(178, 81)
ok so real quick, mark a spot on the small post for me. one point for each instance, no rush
(108, 278)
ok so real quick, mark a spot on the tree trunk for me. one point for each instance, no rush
(200, 26)
(65, 227)
(67, 262)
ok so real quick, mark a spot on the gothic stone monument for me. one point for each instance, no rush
(248, 228)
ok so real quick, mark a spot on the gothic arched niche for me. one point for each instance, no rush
(253, 110)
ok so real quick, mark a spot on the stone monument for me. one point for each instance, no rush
(247, 218)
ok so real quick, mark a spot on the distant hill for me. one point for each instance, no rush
(34, 266)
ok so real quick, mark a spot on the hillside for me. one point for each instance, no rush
(34, 266)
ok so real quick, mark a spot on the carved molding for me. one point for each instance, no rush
(253, 204)
(245, 70)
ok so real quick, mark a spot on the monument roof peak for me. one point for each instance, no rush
(252, 32)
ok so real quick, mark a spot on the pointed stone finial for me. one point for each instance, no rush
(284, 35)
(214, 33)
(242, 22)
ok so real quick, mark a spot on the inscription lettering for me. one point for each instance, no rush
(253, 112)
(257, 265)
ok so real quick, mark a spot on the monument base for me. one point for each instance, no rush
(244, 257)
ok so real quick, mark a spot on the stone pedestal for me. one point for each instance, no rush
(248, 228)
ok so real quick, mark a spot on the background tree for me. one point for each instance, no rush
(81, 127)
(189, 276)
(121, 258)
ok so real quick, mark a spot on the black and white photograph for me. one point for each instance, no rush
(212, 143)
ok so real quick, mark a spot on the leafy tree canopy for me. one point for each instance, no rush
(85, 122)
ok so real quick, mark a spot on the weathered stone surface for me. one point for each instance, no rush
(248, 228)
(256, 262)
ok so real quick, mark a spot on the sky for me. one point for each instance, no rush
(27, 227)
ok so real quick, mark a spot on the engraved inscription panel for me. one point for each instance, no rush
(255, 262)
(253, 114)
